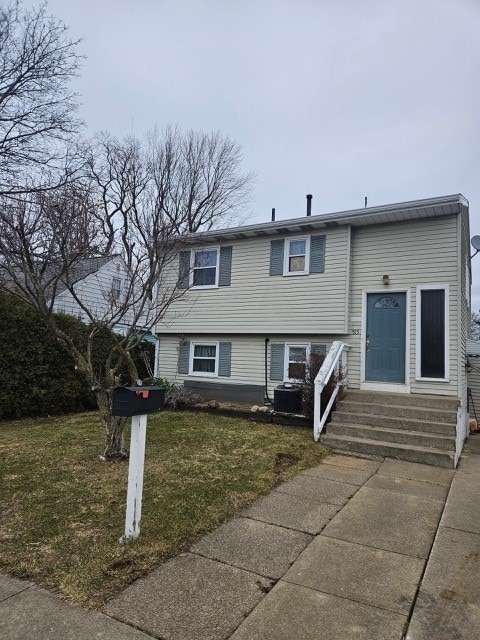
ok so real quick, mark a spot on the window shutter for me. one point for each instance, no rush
(277, 248)
(184, 270)
(225, 268)
(183, 357)
(277, 357)
(317, 254)
(319, 349)
(224, 359)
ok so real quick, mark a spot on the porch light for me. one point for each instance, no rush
(386, 280)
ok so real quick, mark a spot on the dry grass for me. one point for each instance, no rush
(63, 508)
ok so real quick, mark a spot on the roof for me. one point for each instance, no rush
(399, 212)
(83, 268)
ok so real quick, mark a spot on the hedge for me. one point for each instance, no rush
(37, 375)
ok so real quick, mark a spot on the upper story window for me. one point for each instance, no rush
(205, 268)
(297, 254)
(116, 287)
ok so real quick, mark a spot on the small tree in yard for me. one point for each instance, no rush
(135, 202)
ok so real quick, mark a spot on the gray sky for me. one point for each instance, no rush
(342, 99)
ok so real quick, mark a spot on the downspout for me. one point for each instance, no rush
(267, 340)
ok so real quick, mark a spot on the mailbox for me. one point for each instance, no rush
(137, 401)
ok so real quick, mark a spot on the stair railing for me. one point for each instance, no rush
(335, 361)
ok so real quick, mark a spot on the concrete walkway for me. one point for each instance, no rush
(343, 551)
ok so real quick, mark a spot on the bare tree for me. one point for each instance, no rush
(38, 111)
(119, 211)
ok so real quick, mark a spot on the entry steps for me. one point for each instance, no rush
(417, 428)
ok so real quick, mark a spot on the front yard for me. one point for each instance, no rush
(63, 509)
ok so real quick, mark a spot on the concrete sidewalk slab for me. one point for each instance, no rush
(318, 489)
(291, 611)
(36, 613)
(462, 510)
(470, 464)
(11, 586)
(262, 548)
(448, 604)
(190, 598)
(339, 473)
(410, 487)
(371, 576)
(416, 471)
(387, 520)
(292, 512)
(352, 462)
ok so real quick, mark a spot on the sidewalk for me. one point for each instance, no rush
(337, 553)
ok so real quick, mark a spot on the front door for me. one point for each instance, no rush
(385, 344)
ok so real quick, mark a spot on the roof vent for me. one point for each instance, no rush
(309, 204)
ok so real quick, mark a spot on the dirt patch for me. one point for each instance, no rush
(283, 462)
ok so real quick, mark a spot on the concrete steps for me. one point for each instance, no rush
(417, 428)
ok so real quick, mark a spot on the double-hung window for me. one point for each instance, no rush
(296, 357)
(205, 268)
(297, 253)
(116, 288)
(204, 359)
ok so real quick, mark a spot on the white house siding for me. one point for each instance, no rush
(256, 302)
(420, 252)
(247, 356)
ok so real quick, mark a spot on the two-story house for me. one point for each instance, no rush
(393, 282)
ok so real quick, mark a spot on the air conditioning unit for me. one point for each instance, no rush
(287, 399)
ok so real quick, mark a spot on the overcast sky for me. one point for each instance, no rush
(342, 99)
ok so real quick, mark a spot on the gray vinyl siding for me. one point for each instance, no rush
(247, 357)
(259, 303)
(411, 254)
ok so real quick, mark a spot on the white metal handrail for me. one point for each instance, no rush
(336, 358)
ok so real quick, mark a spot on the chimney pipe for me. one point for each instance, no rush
(273, 214)
(366, 200)
(309, 204)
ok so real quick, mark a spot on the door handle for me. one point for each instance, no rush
(367, 345)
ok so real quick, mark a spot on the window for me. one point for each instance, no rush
(204, 359)
(116, 288)
(296, 356)
(205, 268)
(432, 333)
(297, 251)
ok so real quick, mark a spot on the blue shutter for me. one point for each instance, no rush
(317, 254)
(277, 358)
(184, 270)
(277, 248)
(319, 349)
(224, 359)
(225, 267)
(183, 357)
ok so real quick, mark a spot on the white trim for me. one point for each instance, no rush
(192, 267)
(371, 385)
(286, 256)
(204, 343)
(418, 321)
(306, 346)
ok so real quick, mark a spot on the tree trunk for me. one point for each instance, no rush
(113, 427)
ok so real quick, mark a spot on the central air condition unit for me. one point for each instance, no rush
(287, 399)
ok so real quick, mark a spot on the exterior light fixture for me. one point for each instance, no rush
(386, 280)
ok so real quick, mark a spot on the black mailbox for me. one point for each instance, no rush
(137, 401)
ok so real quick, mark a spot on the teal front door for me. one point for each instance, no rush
(385, 345)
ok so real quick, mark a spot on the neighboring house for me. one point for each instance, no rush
(99, 283)
(473, 353)
(392, 281)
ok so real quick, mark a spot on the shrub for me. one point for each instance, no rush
(308, 385)
(176, 396)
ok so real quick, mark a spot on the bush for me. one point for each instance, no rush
(176, 396)
(308, 385)
(37, 374)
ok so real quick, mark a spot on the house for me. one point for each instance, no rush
(99, 282)
(473, 378)
(391, 282)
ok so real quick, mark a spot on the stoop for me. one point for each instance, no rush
(417, 428)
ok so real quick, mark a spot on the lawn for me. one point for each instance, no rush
(63, 509)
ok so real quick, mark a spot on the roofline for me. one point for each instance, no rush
(338, 218)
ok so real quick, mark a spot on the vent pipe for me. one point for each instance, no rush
(309, 204)
(366, 200)
(273, 214)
